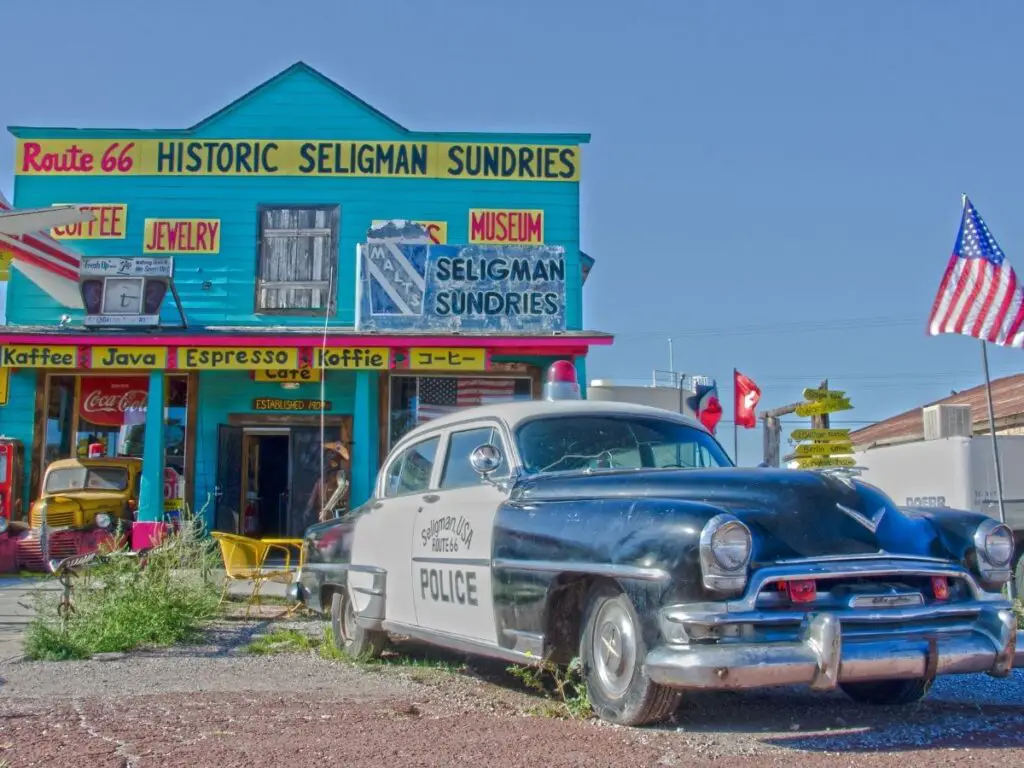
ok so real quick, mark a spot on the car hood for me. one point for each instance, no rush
(791, 513)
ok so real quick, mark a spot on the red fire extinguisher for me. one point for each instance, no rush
(250, 520)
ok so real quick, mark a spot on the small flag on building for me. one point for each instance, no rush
(980, 295)
(747, 396)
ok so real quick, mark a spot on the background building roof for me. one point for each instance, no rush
(1007, 402)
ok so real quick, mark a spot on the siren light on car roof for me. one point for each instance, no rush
(561, 382)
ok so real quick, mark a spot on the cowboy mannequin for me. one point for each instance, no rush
(330, 494)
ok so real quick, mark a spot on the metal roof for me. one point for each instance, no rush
(1007, 402)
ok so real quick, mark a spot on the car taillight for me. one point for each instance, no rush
(940, 587)
(802, 591)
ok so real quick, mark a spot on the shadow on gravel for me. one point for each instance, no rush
(798, 720)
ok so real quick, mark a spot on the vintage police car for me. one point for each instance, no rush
(624, 534)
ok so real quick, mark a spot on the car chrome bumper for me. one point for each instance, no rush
(822, 658)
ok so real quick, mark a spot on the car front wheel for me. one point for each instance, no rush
(887, 692)
(349, 637)
(612, 649)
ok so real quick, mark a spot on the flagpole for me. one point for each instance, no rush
(735, 413)
(995, 446)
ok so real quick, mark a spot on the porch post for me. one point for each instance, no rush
(580, 363)
(151, 493)
(365, 435)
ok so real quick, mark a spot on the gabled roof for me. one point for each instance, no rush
(1007, 401)
(23, 131)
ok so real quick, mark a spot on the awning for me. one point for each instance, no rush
(46, 262)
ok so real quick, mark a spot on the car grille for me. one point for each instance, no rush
(54, 518)
(30, 553)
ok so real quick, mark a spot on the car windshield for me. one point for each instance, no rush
(86, 479)
(572, 443)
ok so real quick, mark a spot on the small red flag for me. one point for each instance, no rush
(747, 395)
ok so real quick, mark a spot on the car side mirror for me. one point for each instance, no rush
(485, 459)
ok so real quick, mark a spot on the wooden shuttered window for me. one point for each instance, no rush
(298, 259)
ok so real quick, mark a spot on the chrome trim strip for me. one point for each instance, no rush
(460, 643)
(481, 562)
(343, 568)
(683, 615)
(880, 555)
(525, 642)
(596, 569)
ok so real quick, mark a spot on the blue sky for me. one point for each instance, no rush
(774, 185)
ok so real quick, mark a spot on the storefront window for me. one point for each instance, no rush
(106, 417)
(416, 400)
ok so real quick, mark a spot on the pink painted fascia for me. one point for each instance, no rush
(543, 344)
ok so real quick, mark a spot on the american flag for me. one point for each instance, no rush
(980, 295)
(441, 395)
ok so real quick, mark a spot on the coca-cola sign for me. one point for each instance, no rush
(114, 402)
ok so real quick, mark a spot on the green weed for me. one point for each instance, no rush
(1019, 609)
(122, 602)
(281, 641)
(564, 688)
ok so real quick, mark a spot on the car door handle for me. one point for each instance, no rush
(430, 498)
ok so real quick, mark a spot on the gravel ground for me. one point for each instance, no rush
(214, 705)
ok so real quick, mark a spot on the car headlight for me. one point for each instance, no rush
(993, 542)
(725, 549)
(4, 522)
(103, 520)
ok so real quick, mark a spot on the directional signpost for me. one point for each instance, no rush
(822, 446)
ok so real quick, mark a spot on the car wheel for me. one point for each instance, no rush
(349, 637)
(887, 692)
(612, 649)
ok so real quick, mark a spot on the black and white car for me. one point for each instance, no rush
(624, 535)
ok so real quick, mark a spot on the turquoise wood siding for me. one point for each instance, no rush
(16, 420)
(219, 289)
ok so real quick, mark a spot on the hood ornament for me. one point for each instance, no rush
(871, 523)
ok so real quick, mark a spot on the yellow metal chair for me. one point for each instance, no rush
(245, 560)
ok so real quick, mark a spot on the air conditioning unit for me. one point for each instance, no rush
(946, 421)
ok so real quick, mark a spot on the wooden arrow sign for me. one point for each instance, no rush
(820, 407)
(824, 394)
(815, 462)
(823, 449)
(820, 434)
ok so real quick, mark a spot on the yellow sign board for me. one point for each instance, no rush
(824, 394)
(110, 222)
(352, 358)
(5, 264)
(128, 357)
(823, 449)
(436, 230)
(500, 227)
(445, 359)
(234, 359)
(183, 236)
(814, 462)
(821, 407)
(26, 356)
(820, 434)
(301, 375)
(5, 385)
(285, 157)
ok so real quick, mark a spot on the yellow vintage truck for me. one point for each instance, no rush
(84, 503)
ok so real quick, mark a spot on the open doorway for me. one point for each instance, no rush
(265, 483)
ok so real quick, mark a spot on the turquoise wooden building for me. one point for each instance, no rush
(288, 343)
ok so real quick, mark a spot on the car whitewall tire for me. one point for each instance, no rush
(349, 637)
(613, 650)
